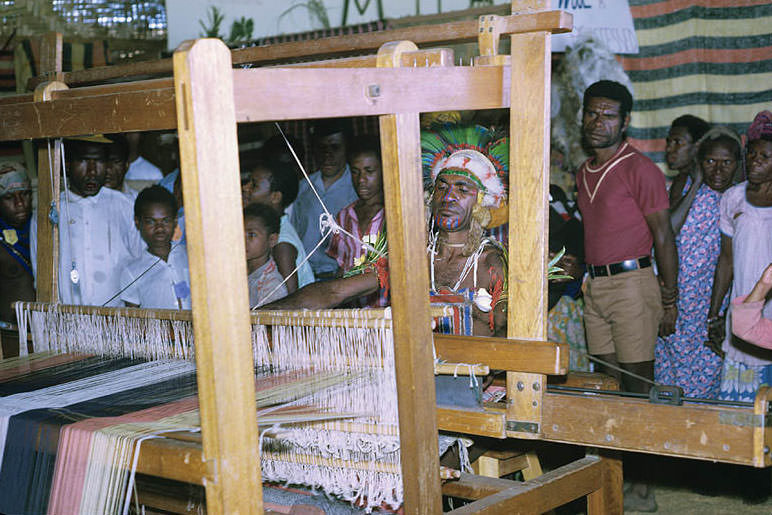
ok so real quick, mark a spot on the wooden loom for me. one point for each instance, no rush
(207, 98)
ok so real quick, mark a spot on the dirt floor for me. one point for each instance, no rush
(682, 486)
(673, 500)
(690, 486)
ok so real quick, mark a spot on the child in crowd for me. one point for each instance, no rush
(261, 232)
(274, 184)
(364, 218)
(159, 278)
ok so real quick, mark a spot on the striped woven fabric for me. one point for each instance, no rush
(709, 58)
(69, 426)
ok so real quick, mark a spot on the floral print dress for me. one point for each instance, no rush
(682, 359)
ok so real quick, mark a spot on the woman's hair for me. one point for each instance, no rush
(723, 134)
(695, 126)
(720, 133)
(267, 216)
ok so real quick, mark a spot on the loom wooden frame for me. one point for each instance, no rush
(215, 99)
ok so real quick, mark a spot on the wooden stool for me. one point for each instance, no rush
(495, 463)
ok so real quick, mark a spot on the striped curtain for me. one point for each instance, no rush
(709, 58)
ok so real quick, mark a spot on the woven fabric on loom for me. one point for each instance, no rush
(336, 372)
(709, 58)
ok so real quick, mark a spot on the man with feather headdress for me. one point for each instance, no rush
(465, 176)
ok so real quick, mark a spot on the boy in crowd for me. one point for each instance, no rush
(159, 278)
(364, 218)
(96, 231)
(261, 232)
(272, 184)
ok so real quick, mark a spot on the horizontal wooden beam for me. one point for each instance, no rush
(445, 33)
(488, 422)
(700, 431)
(429, 57)
(548, 491)
(473, 487)
(139, 106)
(173, 459)
(504, 353)
(262, 94)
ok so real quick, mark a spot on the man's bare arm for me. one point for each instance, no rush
(667, 265)
(328, 294)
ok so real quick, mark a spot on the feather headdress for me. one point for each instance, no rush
(471, 152)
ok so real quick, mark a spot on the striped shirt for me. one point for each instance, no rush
(348, 252)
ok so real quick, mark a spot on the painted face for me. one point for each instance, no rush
(116, 167)
(759, 161)
(156, 224)
(452, 201)
(258, 241)
(679, 148)
(257, 190)
(86, 169)
(719, 165)
(16, 207)
(602, 123)
(366, 176)
(331, 154)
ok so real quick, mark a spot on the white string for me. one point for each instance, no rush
(327, 224)
(133, 471)
(302, 168)
(67, 224)
(308, 256)
(140, 275)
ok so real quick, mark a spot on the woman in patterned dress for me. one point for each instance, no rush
(682, 359)
(746, 249)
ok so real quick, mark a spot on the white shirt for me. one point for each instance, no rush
(130, 192)
(151, 282)
(96, 237)
(143, 170)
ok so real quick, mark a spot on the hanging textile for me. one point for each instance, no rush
(710, 58)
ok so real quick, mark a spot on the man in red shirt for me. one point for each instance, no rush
(624, 204)
(625, 209)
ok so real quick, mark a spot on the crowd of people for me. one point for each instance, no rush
(660, 285)
(653, 276)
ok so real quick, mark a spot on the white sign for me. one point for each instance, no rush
(609, 21)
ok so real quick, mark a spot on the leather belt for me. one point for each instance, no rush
(617, 268)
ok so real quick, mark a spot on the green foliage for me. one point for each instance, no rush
(381, 247)
(315, 8)
(554, 271)
(215, 18)
(241, 30)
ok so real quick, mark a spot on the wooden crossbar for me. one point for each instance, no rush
(537, 357)
(261, 95)
(440, 34)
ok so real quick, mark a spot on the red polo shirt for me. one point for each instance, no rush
(614, 199)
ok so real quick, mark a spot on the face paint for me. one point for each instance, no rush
(453, 200)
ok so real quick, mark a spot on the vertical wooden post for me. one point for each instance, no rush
(528, 220)
(206, 119)
(49, 171)
(409, 282)
(608, 498)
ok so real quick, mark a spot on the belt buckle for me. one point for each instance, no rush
(630, 264)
